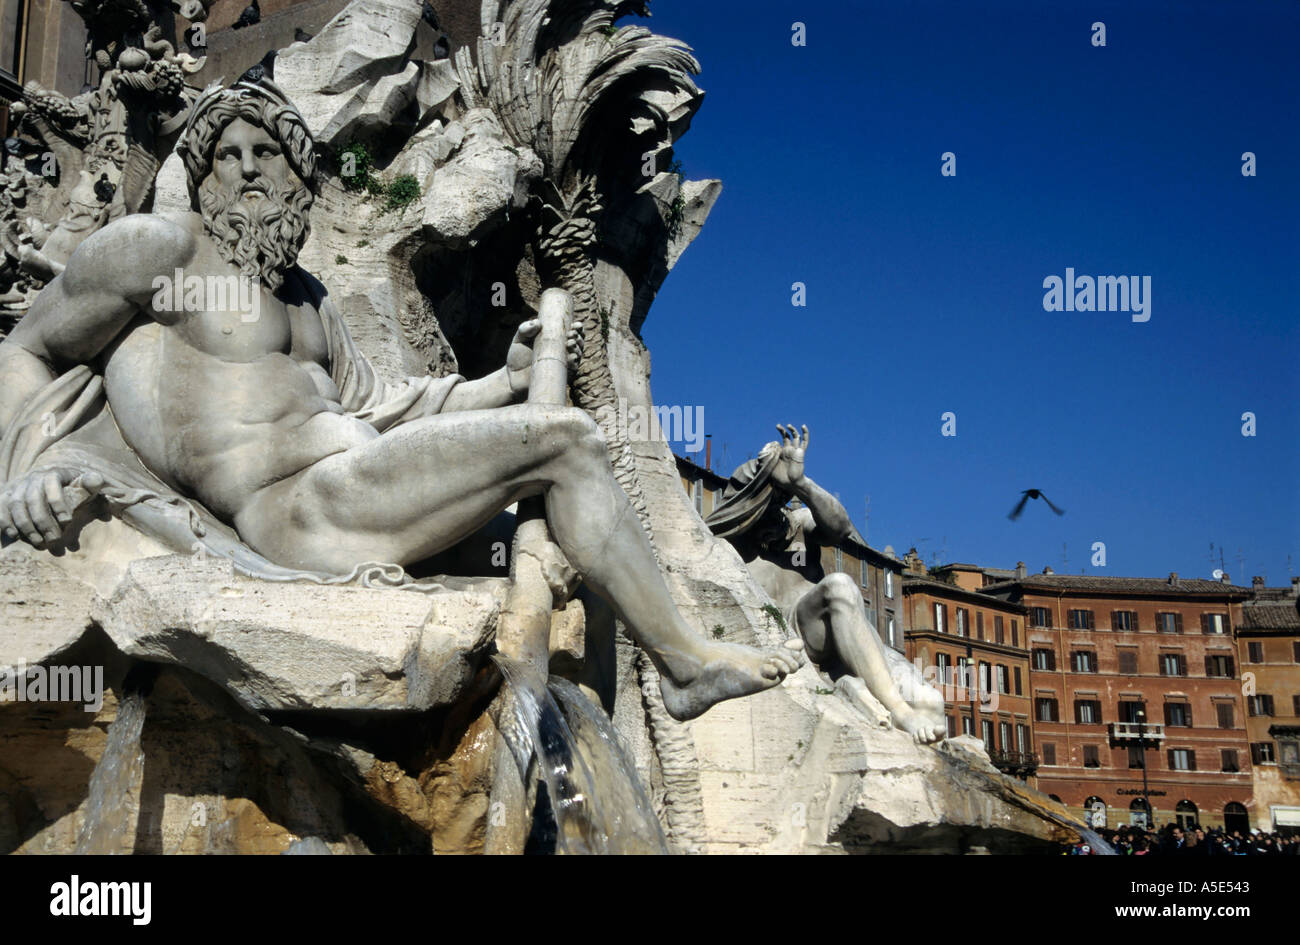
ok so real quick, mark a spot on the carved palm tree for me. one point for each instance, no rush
(560, 77)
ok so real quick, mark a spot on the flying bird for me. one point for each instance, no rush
(252, 15)
(1032, 494)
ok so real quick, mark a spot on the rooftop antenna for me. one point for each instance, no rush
(866, 518)
(1241, 561)
(1065, 558)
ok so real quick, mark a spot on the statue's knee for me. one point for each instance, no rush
(581, 435)
(840, 589)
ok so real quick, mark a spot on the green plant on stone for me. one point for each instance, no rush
(341, 260)
(401, 192)
(775, 613)
(356, 167)
(718, 630)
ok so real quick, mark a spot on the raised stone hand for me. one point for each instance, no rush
(35, 507)
(519, 360)
(788, 471)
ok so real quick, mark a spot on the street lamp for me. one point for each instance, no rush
(1142, 747)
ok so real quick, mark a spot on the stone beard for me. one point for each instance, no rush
(259, 237)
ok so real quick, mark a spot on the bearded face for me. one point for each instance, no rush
(253, 204)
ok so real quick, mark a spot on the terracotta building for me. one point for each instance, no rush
(1134, 677)
(41, 40)
(1268, 651)
(973, 647)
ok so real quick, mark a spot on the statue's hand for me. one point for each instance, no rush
(35, 507)
(519, 360)
(788, 471)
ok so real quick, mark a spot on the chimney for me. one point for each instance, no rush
(1173, 577)
(708, 451)
(1295, 587)
(1257, 583)
(1021, 572)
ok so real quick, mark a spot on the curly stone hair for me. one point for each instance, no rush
(261, 103)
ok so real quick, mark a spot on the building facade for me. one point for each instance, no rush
(1137, 696)
(973, 647)
(1268, 651)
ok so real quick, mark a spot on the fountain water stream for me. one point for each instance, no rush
(109, 812)
(599, 803)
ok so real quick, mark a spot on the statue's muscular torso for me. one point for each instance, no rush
(214, 403)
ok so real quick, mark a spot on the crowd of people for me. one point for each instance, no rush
(1174, 840)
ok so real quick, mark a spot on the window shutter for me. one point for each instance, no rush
(1191, 760)
(1134, 619)
(1232, 669)
(1254, 753)
(1114, 619)
(1209, 666)
(1170, 758)
(1178, 623)
(1205, 623)
(1188, 714)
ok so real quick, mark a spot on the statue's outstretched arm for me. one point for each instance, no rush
(832, 520)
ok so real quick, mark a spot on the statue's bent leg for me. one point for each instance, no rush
(833, 611)
(423, 486)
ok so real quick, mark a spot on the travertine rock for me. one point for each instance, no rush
(280, 646)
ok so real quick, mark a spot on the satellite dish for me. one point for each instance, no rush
(1218, 574)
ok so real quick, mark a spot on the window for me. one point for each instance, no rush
(1228, 761)
(1128, 662)
(1022, 738)
(697, 494)
(1139, 812)
(1259, 705)
(979, 625)
(1182, 759)
(1049, 754)
(1185, 814)
(985, 682)
(1173, 664)
(1004, 735)
(1129, 710)
(839, 559)
(1000, 675)
(1039, 617)
(1136, 756)
(1081, 620)
(1091, 756)
(1087, 711)
(1083, 661)
(1045, 710)
(952, 726)
(1214, 623)
(986, 733)
(1019, 691)
(1225, 714)
(1045, 659)
(1255, 652)
(1178, 715)
(1169, 623)
(1015, 636)
(1218, 664)
(941, 618)
(864, 578)
(1261, 753)
(943, 663)
(893, 629)
(963, 622)
(1124, 620)
(998, 630)
(967, 725)
(964, 679)
(889, 583)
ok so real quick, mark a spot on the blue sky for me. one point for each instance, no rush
(925, 292)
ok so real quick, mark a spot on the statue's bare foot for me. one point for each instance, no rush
(725, 671)
(919, 725)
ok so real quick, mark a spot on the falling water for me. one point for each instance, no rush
(598, 802)
(108, 809)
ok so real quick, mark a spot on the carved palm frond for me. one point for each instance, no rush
(546, 67)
